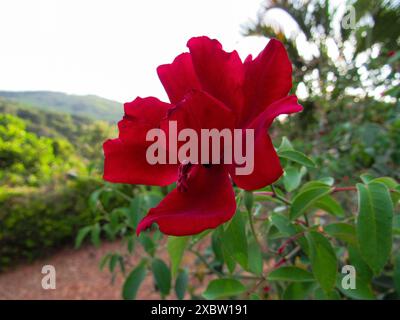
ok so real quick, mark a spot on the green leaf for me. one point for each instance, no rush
(147, 243)
(104, 260)
(176, 247)
(298, 290)
(255, 257)
(162, 276)
(396, 274)
(313, 184)
(83, 232)
(235, 241)
(362, 291)
(329, 181)
(374, 224)
(392, 184)
(291, 273)
(221, 288)
(229, 261)
(366, 178)
(306, 199)
(396, 224)
(181, 284)
(285, 145)
(283, 224)
(330, 205)
(321, 295)
(323, 260)
(297, 157)
(291, 178)
(134, 214)
(216, 245)
(133, 281)
(95, 235)
(113, 262)
(254, 296)
(342, 231)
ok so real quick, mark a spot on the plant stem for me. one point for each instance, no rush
(277, 196)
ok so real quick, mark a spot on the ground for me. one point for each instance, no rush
(77, 277)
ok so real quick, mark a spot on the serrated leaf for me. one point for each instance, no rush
(374, 224)
(221, 288)
(297, 157)
(290, 273)
(133, 281)
(305, 199)
(176, 247)
(323, 260)
(162, 276)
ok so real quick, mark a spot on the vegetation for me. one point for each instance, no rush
(50, 163)
(90, 106)
(335, 208)
(329, 228)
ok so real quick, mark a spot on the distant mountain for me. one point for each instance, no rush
(87, 106)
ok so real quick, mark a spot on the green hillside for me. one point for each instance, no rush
(88, 106)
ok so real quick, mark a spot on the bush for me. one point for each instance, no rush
(35, 221)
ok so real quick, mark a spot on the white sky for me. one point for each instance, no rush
(110, 48)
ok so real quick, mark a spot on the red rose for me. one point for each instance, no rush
(207, 88)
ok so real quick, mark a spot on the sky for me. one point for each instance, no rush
(111, 48)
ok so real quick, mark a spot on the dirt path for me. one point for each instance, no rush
(77, 277)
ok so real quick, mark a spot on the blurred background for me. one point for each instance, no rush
(66, 67)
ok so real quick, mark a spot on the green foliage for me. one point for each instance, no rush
(34, 221)
(348, 76)
(290, 273)
(133, 281)
(45, 158)
(293, 247)
(87, 106)
(26, 159)
(221, 288)
(374, 224)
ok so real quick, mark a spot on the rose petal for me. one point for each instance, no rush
(267, 168)
(220, 73)
(179, 77)
(208, 202)
(200, 111)
(125, 157)
(267, 78)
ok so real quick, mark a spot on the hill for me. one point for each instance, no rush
(87, 106)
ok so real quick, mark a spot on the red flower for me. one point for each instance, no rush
(207, 88)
